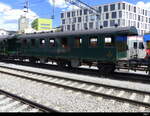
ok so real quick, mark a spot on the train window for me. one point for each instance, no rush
(135, 45)
(93, 42)
(78, 42)
(42, 41)
(141, 46)
(32, 42)
(64, 43)
(108, 41)
(24, 42)
(52, 42)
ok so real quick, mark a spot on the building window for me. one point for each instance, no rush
(78, 42)
(73, 13)
(138, 25)
(63, 21)
(138, 17)
(118, 6)
(92, 17)
(107, 15)
(120, 14)
(91, 25)
(80, 12)
(114, 15)
(105, 24)
(62, 15)
(86, 18)
(90, 11)
(112, 22)
(52, 42)
(129, 8)
(112, 7)
(73, 27)
(85, 26)
(118, 22)
(68, 27)
(42, 41)
(145, 12)
(106, 8)
(123, 6)
(85, 11)
(79, 19)
(77, 12)
(100, 9)
(93, 42)
(68, 14)
(134, 9)
(74, 20)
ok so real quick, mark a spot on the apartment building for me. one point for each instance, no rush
(118, 14)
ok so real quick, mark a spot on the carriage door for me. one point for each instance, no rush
(121, 46)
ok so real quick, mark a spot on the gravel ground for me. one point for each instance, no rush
(121, 83)
(65, 100)
(62, 99)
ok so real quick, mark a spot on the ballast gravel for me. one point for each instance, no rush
(68, 101)
(61, 99)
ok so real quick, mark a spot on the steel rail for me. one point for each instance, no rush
(87, 91)
(29, 102)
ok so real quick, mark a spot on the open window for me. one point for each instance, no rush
(64, 43)
(42, 42)
(108, 41)
(78, 42)
(93, 42)
(52, 42)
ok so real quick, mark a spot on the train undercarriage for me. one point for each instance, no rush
(105, 68)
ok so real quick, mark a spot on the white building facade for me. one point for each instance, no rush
(23, 24)
(3, 32)
(119, 14)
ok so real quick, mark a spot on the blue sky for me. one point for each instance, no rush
(10, 10)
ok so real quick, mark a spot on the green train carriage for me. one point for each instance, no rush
(99, 47)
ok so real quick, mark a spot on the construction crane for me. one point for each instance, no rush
(83, 5)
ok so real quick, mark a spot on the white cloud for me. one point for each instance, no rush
(62, 4)
(9, 16)
(143, 5)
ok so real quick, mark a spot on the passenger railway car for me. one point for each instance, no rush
(102, 48)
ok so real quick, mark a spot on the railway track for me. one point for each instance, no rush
(90, 72)
(15, 103)
(129, 96)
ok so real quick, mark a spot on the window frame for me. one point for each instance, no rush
(49, 43)
(41, 42)
(93, 44)
(80, 40)
(108, 44)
